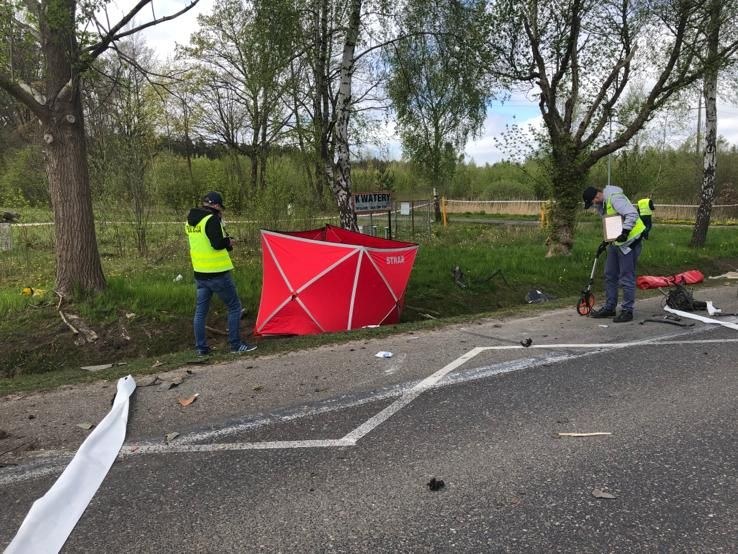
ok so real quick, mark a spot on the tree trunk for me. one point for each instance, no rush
(341, 182)
(77, 258)
(707, 194)
(568, 184)
(321, 102)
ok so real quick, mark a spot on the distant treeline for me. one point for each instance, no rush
(175, 180)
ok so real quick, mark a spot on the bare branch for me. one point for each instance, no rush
(26, 95)
(114, 34)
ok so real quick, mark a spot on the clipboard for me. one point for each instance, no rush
(612, 227)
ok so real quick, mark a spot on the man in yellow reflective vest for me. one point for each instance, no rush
(645, 210)
(209, 251)
(622, 253)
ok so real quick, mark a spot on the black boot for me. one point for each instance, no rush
(602, 313)
(623, 317)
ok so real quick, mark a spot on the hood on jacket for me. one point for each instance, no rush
(196, 215)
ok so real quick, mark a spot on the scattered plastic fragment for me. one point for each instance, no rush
(711, 309)
(169, 437)
(599, 493)
(436, 484)
(148, 381)
(584, 434)
(383, 354)
(527, 342)
(536, 296)
(85, 426)
(184, 402)
(99, 367)
(178, 278)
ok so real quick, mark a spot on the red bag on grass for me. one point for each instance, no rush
(689, 277)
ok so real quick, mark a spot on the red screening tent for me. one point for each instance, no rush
(330, 279)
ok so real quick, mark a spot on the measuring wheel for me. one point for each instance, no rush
(584, 306)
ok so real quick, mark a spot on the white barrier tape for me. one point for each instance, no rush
(52, 517)
(703, 319)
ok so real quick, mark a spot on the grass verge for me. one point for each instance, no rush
(143, 319)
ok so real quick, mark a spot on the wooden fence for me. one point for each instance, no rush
(663, 212)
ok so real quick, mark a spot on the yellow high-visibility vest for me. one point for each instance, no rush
(644, 206)
(205, 258)
(637, 229)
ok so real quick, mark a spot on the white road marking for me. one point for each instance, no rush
(274, 445)
(54, 461)
(409, 396)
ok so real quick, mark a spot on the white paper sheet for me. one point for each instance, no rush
(612, 226)
(52, 517)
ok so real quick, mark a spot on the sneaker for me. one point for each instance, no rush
(602, 313)
(204, 351)
(623, 317)
(244, 348)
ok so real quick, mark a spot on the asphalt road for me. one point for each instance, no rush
(488, 429)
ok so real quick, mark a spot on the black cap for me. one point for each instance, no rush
(588, 196)
(213, 198)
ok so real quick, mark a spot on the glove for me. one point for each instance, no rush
(623, 236)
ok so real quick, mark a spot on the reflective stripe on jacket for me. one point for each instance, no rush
(205, 258)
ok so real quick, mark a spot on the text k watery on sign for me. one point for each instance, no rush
(371, 201)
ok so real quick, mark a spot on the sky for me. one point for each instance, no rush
(481, 150)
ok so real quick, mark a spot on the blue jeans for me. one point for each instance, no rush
(620, 271)
(225, 289)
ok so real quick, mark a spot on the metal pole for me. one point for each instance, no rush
(609, 171)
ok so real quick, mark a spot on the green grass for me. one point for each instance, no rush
(145, 303)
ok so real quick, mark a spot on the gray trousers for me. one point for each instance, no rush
(620, 271)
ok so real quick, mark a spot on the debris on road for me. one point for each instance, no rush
(728, 275)
(536, 296)
(668, 318)
(597, 434)
(148, 381)
(383, 354)
(527, 342)
(436, 484)
(99, 367)
(599, 493)
(169, 437)
(86, 426)
(184, 402)
(166, 385)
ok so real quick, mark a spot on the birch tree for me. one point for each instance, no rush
(719, 14)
